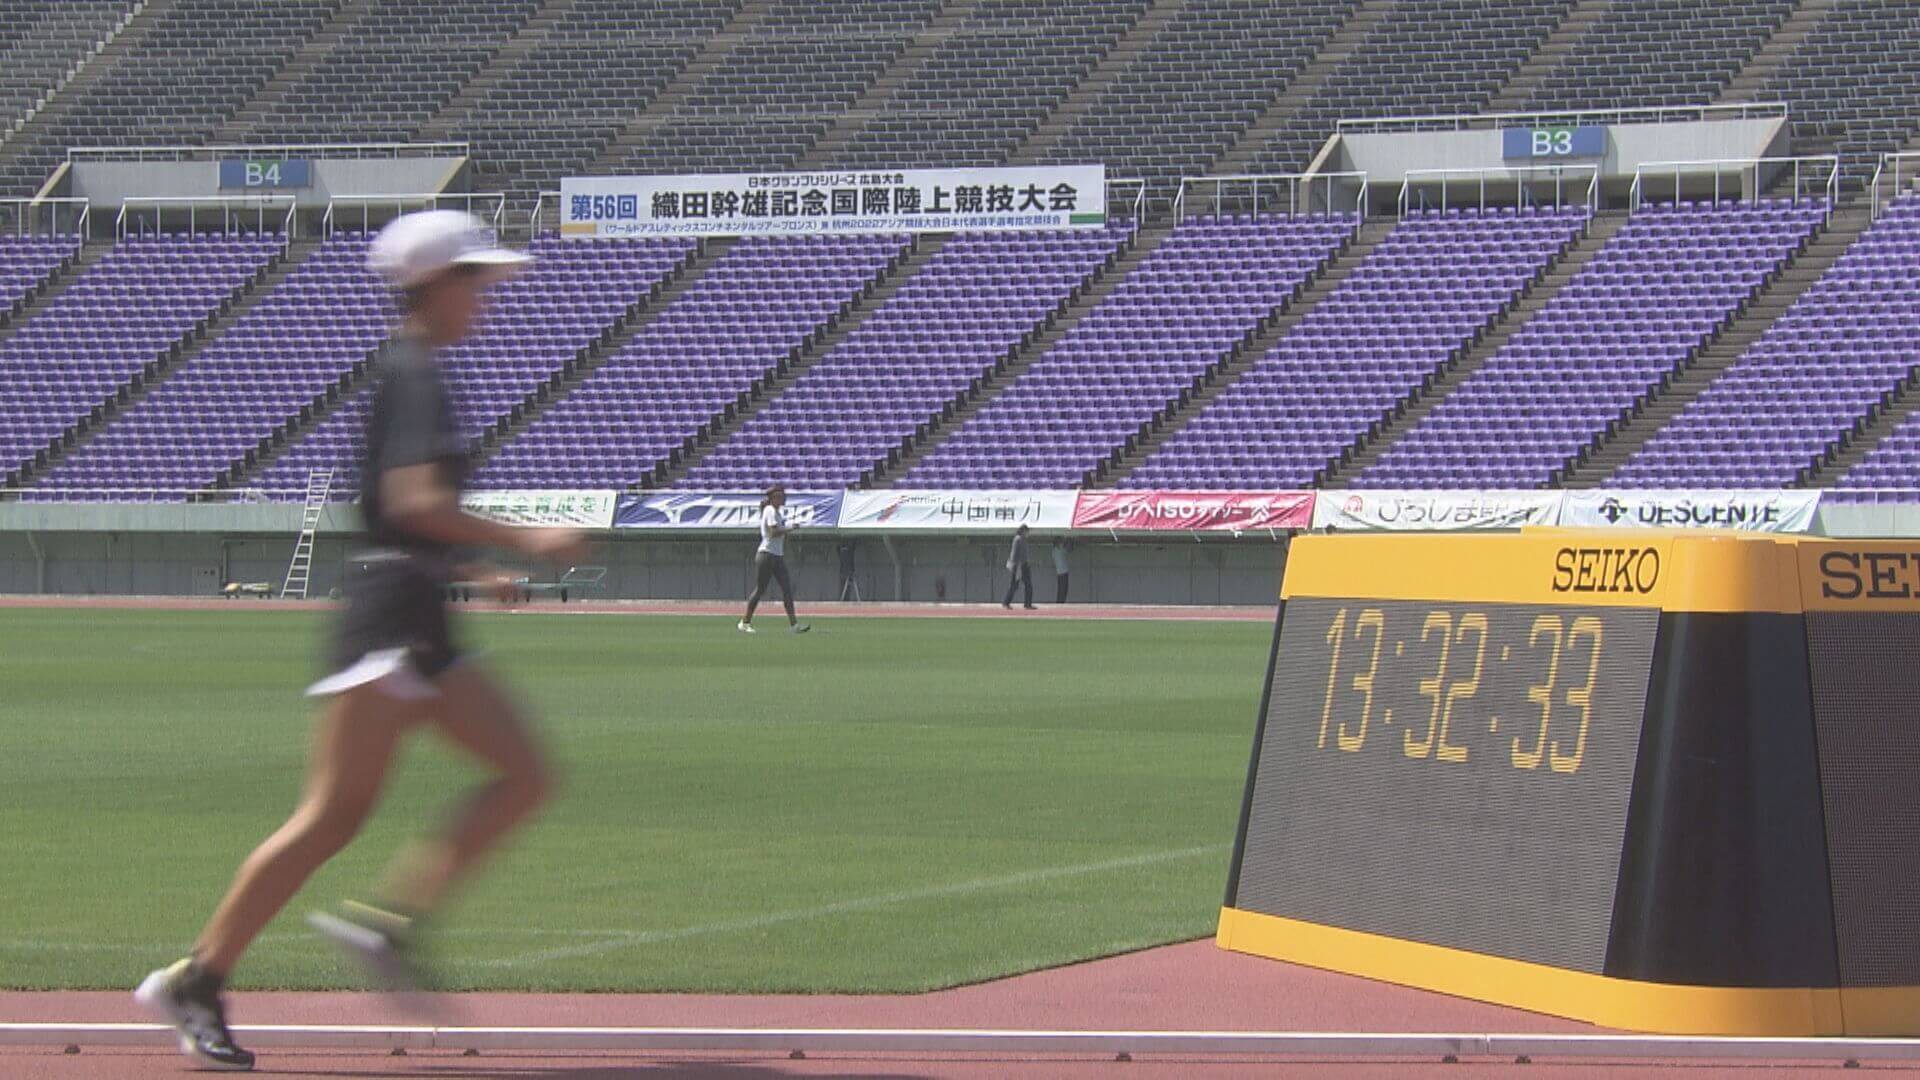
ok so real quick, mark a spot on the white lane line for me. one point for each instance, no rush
(628, 939)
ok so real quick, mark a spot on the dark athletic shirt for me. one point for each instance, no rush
(411, 423)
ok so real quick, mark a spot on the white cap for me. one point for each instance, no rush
(415, 247)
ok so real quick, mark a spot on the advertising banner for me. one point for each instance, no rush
(1435, 511)
(834, 201)
(959, 511)
(1190, 511)
(571, 509)
(722, 510)
(1752, 511)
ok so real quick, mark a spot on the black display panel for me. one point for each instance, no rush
(1456, 774)
(1866, 709)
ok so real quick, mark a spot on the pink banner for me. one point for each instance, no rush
(1191, 511)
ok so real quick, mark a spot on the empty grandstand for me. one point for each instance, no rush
(1724, 334)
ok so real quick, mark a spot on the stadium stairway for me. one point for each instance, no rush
(311, 53)
(1346, 41)
(1111, 70)
(722, 427)
(1368, 448)
(131, 33)
(675, 94)
(156, 372)
(1238, 360)
(872, 102)
(1750, 83)
(1550, 55)
(80, 64)
(1867, 434)
(444, 123)
(1018, 360)
(1652, 412)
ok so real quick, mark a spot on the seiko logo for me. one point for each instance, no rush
(1606, 570)
(1870, 575)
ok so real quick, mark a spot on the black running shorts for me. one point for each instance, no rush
(394, 623)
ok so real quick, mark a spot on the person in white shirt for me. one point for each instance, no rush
(770, 561)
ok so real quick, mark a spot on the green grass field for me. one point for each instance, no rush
(882, 805)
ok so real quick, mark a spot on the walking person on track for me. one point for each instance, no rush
(770, 561)
(1021, 571)
(395, 666)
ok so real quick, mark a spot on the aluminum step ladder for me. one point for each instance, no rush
(319, 486)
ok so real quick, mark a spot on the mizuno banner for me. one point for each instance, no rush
(978, 511)
(835, 201)
(569, 509)
(722, 510)
(1193, 511)
(1750, 511)
(1435, 511)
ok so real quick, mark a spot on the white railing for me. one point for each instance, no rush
(232, 210)
(540, 210)
(1650, 178)
(1901, 170)
(45, 217)
(1526, 180)
(1638, 115)
(1136, 207)
(135, 495)
(314, 150)
(1299, 189)
(367, 210)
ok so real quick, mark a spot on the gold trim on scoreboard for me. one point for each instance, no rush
(1597, 999)
(1591, 568)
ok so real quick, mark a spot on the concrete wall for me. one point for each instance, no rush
(109, 182)
(1387, 157)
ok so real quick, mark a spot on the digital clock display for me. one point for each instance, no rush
(1451, 773)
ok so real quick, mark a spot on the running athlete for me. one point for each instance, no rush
(770, 561)
(394, 664)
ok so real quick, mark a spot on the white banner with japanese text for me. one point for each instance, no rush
(832, 201)
(957, 511)
(571, 509)
(1434, 511)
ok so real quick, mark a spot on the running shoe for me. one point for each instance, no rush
(799, 628)
(189, 999)
(380, 940)
(745, 628)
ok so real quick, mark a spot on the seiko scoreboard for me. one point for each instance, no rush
(1667, 782)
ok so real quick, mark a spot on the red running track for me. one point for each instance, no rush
(1181, 987)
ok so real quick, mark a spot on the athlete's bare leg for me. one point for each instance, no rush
(353, 744)
(476, 715)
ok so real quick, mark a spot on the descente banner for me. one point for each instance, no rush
(1749, 511)
(957, 511)
(835, 201)
(1438, 511)
(1193, 511)
(571, 509)
(722, 510)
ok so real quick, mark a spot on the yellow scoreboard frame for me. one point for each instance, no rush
(1658, 781)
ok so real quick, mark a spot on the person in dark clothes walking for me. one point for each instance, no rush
(1060, 568)
(395, 666)
(1022, 574)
